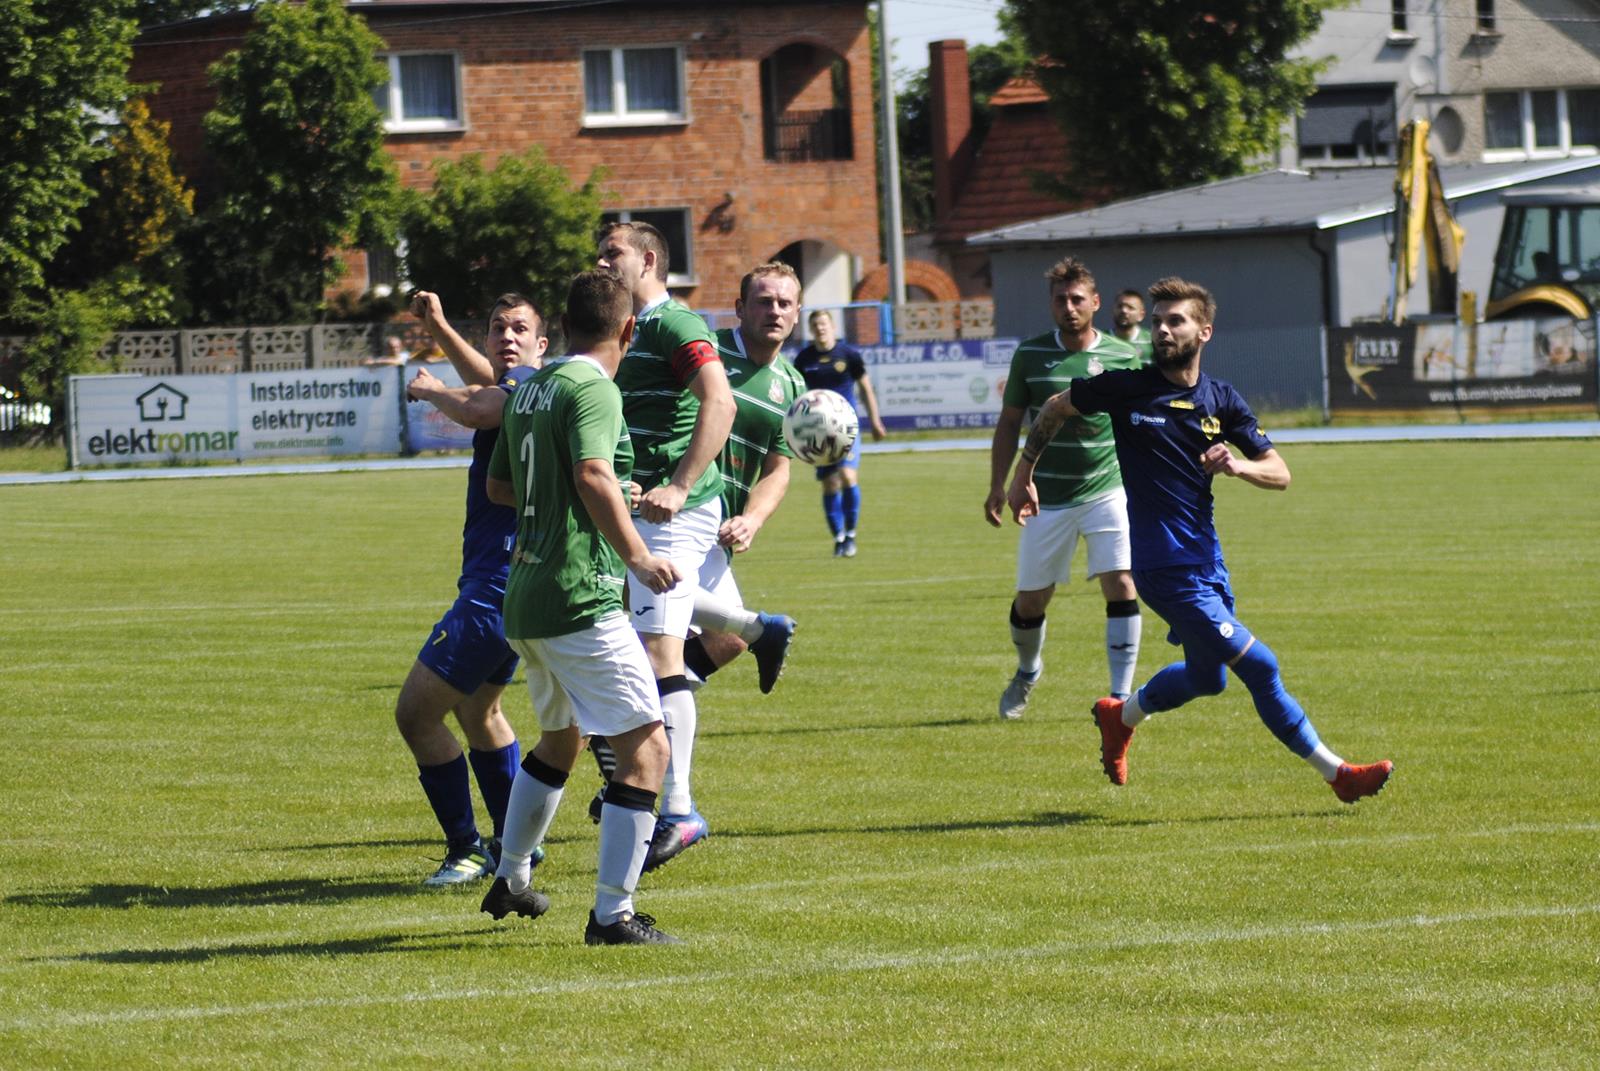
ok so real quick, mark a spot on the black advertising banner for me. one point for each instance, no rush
(1506, 364)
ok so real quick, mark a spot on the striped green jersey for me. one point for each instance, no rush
(657, 404)
(564, 575)
(1080, 463)
(763, 394)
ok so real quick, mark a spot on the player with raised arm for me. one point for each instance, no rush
(1080, 487)
(678, 409)
(557, 461)
(465, 664)
(1173, 425)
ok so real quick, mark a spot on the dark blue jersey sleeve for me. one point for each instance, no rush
(1098, 394)
(1240, 428)
(514, 376)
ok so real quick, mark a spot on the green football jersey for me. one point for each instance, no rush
(1080, 463)
(1142, 342)
(659, 407)
(763, 394)
(564, 575)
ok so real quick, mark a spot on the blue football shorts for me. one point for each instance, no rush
(467, 648)
(1196, 601)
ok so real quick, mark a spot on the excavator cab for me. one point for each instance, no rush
(1548, 261)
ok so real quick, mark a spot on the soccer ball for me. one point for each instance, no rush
(821, 427)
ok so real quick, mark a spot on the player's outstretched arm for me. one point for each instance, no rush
(601, 495)
(1269, 471)
(711, 427)
(472, 366)
(471, 407)
(1023, 496)
(740, 531)
(1002, 451)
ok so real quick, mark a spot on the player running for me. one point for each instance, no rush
(557, 460)
(464, 665)
(1173, 425)
(1080, 487)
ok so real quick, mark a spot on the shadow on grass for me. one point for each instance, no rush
(377, 944)
(247, 894)
(1043, 820)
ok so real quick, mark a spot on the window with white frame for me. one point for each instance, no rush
(1540, 123)
(673, 223)
(423, 92)
(633, 86)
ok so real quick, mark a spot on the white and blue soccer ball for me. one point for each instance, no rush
(821, 427)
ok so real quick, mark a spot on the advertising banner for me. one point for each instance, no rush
(122, 420)
(940, 384)
(426, 427)
(1505, 364)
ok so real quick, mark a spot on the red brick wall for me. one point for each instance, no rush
(523, 85)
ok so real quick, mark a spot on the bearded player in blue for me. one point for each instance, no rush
(1173, 425)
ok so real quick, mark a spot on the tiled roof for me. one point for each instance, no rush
(1022, 140)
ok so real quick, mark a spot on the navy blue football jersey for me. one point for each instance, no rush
(836, 370)
(1161, 430)
(486, 537)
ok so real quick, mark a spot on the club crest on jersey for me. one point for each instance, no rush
(1094, 367)
(839, 366)
(1211, 426)
(775, 392)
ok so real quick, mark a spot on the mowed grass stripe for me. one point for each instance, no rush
(1179, 937)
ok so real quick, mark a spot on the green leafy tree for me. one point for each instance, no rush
(131, 225)
(65, 70)
(1156, 94)
(988, 68)
(302, 171)
(520, 226)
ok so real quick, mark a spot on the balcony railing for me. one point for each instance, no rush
(802, 136)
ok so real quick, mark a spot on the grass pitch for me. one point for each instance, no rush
(213, 835)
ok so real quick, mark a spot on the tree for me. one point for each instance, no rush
(988, 68)
(302, 171)
(1156, 94)
(156, 12)
(138, 208)
(520, 227)
(65, 71)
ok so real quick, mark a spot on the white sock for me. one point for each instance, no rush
(712, 614)
(1030, 648)
(1325, 762)
(528, 813)
(679, 714)
(1132, 712)
(624, 841)
(1122, 651)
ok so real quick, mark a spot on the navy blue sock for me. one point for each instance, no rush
(450, 793)
(852, 506)
(1258, 668)
(1180, 682)
(833, 509)
(495, 770)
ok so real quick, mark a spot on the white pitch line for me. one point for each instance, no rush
(933, 959)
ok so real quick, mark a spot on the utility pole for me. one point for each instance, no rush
(894, 236)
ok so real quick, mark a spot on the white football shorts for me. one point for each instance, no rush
(686, 539)
(598, 679)
(1044, 553)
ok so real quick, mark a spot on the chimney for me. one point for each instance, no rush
(950, 97)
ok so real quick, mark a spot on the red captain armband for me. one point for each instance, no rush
(690, 357)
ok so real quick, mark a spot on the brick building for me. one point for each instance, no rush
(743, 129)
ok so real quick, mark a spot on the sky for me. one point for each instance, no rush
(913, 23)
